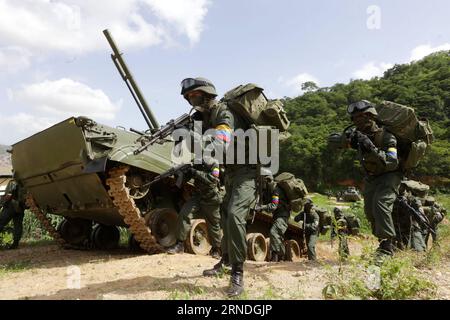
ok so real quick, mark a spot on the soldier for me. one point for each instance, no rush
(409, 232)
(279, 206)
(310, 226)
(205, 202)
(377, 150)
(340, 229)
(13, 207)
(240, 183)
(435, 213)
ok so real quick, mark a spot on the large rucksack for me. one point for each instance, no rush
(294, 189)
(413, 135)
(325, 220)
(417, 188)
(353, 223)
(250, 103)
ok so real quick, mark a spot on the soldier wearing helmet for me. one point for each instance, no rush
(310, 225)
(340, 229)
(377, 150)
(240, 184)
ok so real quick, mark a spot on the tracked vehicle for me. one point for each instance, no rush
(99, 177)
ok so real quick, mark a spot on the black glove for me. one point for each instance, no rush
(365, 143)
(298, 217)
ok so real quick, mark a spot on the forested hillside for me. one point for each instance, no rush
(424, 85)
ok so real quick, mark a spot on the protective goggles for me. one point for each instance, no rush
(191, 83)
(359, 106)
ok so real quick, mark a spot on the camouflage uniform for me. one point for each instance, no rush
(205, 203)
(340, 229)
(13, 209)
(279, 206)
(377, 149)
(435, 214)
(311, 229)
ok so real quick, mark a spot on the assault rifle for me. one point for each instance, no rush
(416, 214)
(165, 131)
(177, 171)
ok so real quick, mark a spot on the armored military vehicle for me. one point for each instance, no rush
(99, 177)
(351, 194)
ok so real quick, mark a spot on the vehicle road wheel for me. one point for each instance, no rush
(197, 242)
(163, 224)
(75, 231)
(105, 237)
(256, 247)
(293, 252)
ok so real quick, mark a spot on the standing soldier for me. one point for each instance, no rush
(340, 229)
(377, 150)
(205, 202)
(13, 207)
(310, 226)
(240, 183)
(279, 206)
(435, 213)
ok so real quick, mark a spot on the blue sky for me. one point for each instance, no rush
(54, 59)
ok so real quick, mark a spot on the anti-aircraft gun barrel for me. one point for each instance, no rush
(131, 84)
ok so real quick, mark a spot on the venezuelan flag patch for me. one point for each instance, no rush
(392, 152)
(215, 172)
(223, 133)
(275, 199)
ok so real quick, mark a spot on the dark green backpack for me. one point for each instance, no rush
(413, 135)
(250, 103)
(294, 189)
(325, 220)
(353, 223)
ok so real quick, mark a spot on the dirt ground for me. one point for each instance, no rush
(49, 272)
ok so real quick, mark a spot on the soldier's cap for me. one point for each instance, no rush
(337, 210)
(200, 84)
(308, 201)
(362, 106)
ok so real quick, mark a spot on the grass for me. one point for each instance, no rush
(14, 267)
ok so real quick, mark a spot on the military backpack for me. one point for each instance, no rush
(353, 223)
(250, 103)
(413, 135)
(294, 189)
(325, 220)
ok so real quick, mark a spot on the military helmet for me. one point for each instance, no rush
(337, 213)
(200, 84)
(362, 106)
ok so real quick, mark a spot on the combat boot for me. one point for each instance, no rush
(384, 251)
(215, 253)
(220, 267)
(176, 248)
(237, 280)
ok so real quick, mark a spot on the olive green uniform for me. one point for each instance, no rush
(311, 229)
(409, 233)
(435, 214)
(381, 183)
(240, 185)
(279, 206)
(340, 229)
(13, 209)
(204, 203)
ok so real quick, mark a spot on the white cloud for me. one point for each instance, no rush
(14, 59)
(65, 98)
(187, 16)
(423, 50)
(75, 26)
(21, 125)
(372, 69)
(295, 83)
